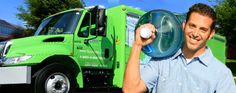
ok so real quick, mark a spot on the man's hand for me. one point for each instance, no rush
(142, 41)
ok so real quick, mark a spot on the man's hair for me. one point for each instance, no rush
(204, 10)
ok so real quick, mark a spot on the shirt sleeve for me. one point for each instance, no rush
(226, 84)
(149, 74)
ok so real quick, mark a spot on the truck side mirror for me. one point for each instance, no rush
(99, 19)
(84, 31)
(101, 22)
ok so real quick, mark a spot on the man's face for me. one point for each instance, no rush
(197, 31)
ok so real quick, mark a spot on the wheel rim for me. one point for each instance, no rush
(57, 83)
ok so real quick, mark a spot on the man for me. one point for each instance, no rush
(193, 69)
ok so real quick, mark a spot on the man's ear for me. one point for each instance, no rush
(212, 34)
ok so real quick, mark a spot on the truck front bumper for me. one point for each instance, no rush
(15, 75)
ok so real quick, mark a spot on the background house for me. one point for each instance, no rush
(9, 31)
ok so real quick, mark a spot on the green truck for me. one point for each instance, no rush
(77, 48)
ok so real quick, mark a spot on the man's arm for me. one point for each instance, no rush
(132, 79)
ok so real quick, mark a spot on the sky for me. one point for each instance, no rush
(8, 8)
(8, 11)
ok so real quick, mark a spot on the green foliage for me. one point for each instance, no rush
(37, 10)
(226, 19)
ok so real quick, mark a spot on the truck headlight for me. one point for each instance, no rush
(15, 60)
(5, 46)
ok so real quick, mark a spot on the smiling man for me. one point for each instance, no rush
(193, 69)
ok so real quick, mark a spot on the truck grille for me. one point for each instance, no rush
(2, 45)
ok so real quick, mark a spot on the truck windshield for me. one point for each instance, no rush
(64, 23)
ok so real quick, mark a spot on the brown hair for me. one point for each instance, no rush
(203, 9)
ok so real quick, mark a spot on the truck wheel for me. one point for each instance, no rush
(55, 78)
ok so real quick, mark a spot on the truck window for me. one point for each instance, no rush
(131, 20)
(85, 26)
(64, 23)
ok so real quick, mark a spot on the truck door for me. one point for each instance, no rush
(92, 51)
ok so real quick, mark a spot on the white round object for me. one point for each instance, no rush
(145, 33)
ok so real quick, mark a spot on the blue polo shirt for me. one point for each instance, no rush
(203, 74)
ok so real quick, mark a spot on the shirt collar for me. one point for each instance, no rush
(179, 52)
(204, 58)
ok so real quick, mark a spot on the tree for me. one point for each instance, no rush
(226, 19)
(37, 10)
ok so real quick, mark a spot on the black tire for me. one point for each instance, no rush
(53, 78)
